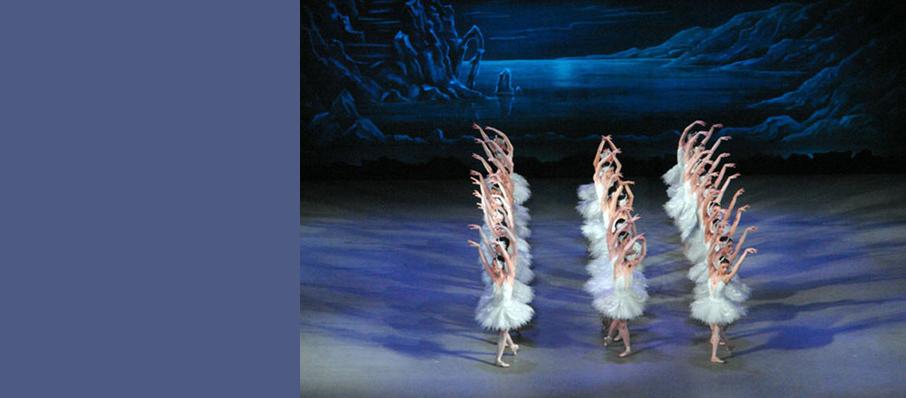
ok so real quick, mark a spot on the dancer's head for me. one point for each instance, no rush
(712, 207)
(612, 190)
(504, 241)
(618, 223)
(622, 236)
(723, 264)
(500, 215)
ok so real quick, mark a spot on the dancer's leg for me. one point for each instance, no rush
(513, 346)
(501, 344)
(624, 332)
(724, 340)
(610, 331)
(715, 340)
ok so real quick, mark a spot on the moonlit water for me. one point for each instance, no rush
(578, 96)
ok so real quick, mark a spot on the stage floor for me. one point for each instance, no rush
(389, 286)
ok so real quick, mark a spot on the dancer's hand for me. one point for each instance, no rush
(744, 208)
(475, 227)
(752, 229)
(751, 250)
(474, 244)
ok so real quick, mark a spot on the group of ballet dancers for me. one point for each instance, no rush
(696, 190)
(617, 285)
(503, 253)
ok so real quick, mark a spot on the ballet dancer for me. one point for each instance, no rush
(498, 310)
(714, 308)
(626, 300)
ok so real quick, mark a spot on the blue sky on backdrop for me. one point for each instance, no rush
(553, 29)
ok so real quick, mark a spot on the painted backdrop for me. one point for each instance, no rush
(404, 80)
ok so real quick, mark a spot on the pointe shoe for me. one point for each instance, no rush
(502, 364)
(625, 354)
(607, 341)
(515, 349)
(716, 360)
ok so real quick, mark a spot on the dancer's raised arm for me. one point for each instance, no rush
(711, 132)
(598, 153)
(484, 162)
(736, 196)
(717, 161)
(642, 254)
(492, 272)
(502, 162)
(687, 130)
(510, 261)
(621, 251)
(742, 239)
(505, 157)
(739, 261)
(692, 142)
(508, 210)
(736, 221)
(718, 141)
(506, 140)
(484, 145)
(694, 164)
(723, 189)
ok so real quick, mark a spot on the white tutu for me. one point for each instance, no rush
(626, 300)
(522, 216)
(594, 229)
(498, 310)
(587, 192)
(589, 209)
(695, 249)
(687, 221)
(521, 292)
(714, 307)
(601, 281)
(675, 205)
(521, 190)
(672, 176)
(698, 273)
(737, 291)
(600, 267)
(522, 231)
(598, 248)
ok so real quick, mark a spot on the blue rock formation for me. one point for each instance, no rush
(386, 51)
(854, 97)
